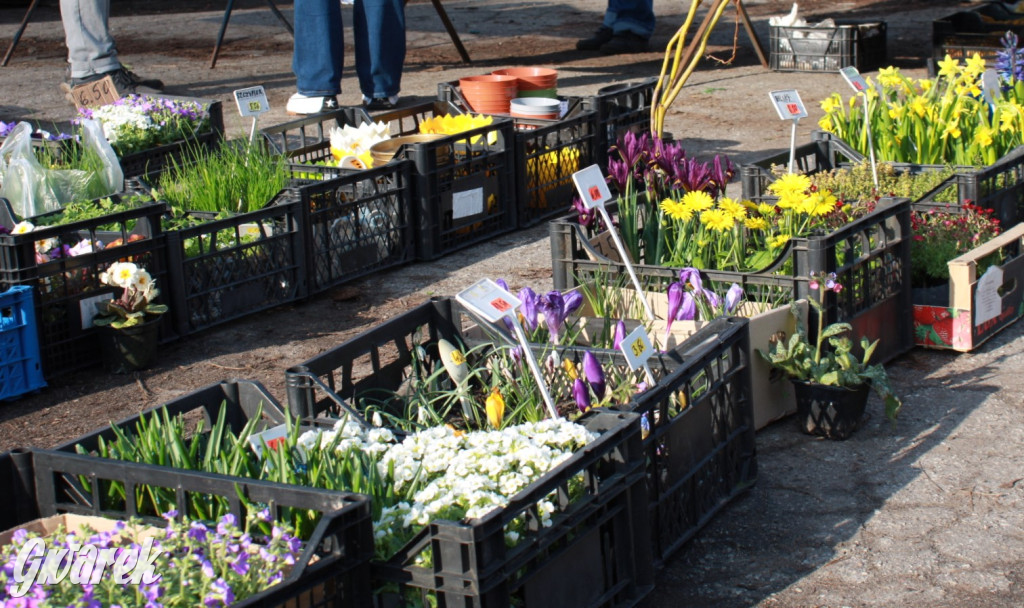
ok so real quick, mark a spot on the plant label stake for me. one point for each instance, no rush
(788, 105)
(594, 192)
(860, 86)
(252, 102)
(493, 303)
(637, 349)
(989, 87)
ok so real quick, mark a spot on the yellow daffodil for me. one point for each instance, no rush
(896, 112)
(919, 106)
(948, 67)
(890, 77)
(495, 405)
(975, 65)
(952, 130)
(831, 103)
(983, 136)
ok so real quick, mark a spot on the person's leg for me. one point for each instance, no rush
(319, 49)
(91, 49)
(379, 29)
(631, 23)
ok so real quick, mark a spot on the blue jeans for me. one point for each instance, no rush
(91, 48)
(379, 29)
(319, 51)
(635, 16)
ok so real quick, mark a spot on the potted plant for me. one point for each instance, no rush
(941, 235)
(830, 382)
(129, 324)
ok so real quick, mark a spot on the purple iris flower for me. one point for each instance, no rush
(692, 276)
(666, 156)
(688, 311)
(619, 172)
(530, 303)
(594, 373)
(584, 217)
(721, 172)
(633, 149)
(553, 306)
(692, 175)
(619, 335)
(581, 394)
(733, 297)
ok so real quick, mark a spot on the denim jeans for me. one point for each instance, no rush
(319, 51)
(91, 48)
(379, 30)
(635, 16)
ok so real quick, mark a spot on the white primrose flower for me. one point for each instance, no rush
(23, 227)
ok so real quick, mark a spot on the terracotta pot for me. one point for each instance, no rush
(531, 78)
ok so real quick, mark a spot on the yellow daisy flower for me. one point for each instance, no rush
(736, 210)
(790, 183)
(676, 210)
(698, 201)
(756, 223)
(717, 220)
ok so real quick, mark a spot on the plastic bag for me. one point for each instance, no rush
(33, 188)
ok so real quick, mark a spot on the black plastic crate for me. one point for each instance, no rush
(620, 108)
(697, 459)
(333, 570)
(155, 159)
(963, 34)
(999, 186)
(241, 398)
(870, 256)
(67, 288)
(356, 222)
(225, 269)
(547, 153)
(828, 49)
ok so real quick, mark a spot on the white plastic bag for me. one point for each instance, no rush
(33, 188)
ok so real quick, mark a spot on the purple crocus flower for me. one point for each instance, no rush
(688, 311)
(675, 300)
(572, 301)
(6, 128)
(594, 373)
(553, 306)
(712, 298)
(581, 394)
(692, 276)
(619, 335)
(733, 297)
(530, 303)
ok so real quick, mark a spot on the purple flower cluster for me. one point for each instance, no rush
(554, 305)
(194, 564)
(1010, 59)
(661, 167)
(688, 299)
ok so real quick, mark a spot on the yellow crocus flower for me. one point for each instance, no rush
(495, 406)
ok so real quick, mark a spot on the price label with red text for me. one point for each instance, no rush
(591, 186)
(96, 93)
(274, 438)
(788, 104)
(637, 347)
(853, 78)
(488, 300)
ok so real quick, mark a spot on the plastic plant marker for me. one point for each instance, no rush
(637, 349)
(493, 303)
(790, 107)
(594, 192)
(252, 102)
(860, 86)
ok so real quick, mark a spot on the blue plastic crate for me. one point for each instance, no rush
(20, 368)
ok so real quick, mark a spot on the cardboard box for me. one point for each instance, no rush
(979, 307)
(49, 525)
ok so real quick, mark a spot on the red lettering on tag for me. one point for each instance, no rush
(793, 108)
(500, 305)
(273, 444)
(595, 193)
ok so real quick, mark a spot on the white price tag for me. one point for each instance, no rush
(788, 104)
(467, 203)
(591, 186)
(489, 300)
(252, 101)
(273, 437)
(990, 85)
(987, 302)
(87, 307)
(637, 348)
(853, 78)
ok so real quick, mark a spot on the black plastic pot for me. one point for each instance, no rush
(131, 348)
(833, 412)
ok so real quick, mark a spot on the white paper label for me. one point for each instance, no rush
(591, 186)
(252, 101)
(87, 308)
(788, 104)
(854, 79)
(489, 300)
(987, 302)
(637, 347)
(467, 203)
(990, 85)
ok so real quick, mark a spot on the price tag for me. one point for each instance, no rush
(637, 348)
(987, 303)
(96, 93)
(489, 300)
(252, 101)
(788, 104)
(592, 187)
(87, 307)
(274, 438)
(990, 85)
(854, 79)
(467, 203)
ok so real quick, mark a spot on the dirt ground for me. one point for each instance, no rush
(927, 514)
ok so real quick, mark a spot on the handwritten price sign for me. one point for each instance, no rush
(95, 94)
(788, 104)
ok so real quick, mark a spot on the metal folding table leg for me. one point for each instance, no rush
(21, 30)
(227, 17)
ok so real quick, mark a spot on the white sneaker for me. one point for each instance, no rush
(300, 105)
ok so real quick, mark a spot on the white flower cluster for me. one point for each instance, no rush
(357, 141)
(115, 118)
(127, 275)
(465, 475)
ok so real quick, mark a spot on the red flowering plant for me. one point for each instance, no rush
(943, 234)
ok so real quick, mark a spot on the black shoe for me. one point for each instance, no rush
(625, 42)
(600, 37)
(381, 104)
(127, 82)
